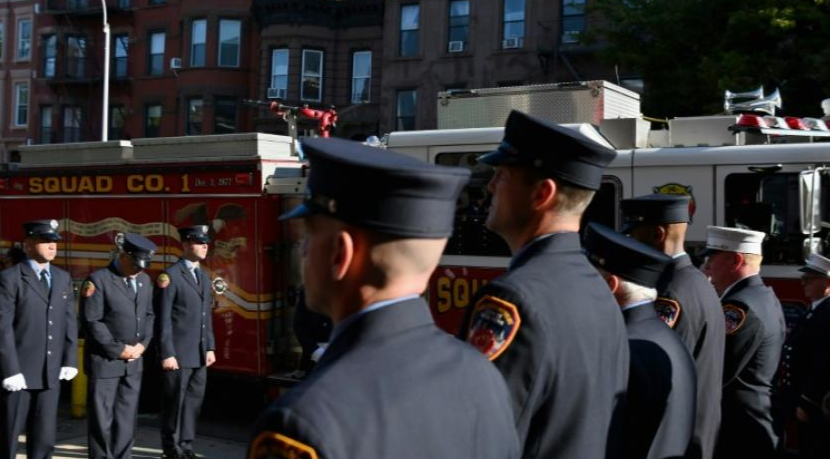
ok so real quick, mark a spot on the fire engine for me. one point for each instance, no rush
(151, 186)
(760, 172)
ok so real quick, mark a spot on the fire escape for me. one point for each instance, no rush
(71, 64)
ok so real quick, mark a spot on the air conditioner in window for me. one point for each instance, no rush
(570, 36)
(277, 93)
(510, 43)
(175, 63)
(456, 46)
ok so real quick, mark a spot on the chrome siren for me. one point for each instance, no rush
(767, 104)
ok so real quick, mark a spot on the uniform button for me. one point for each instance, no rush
(50, 308)
(48, 352)
(138, 334)
(50, 322)
(138, 319)
(50, 336)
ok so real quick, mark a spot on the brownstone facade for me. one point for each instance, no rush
(185, 67)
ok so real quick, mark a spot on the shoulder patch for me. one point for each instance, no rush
(735, 318)
(163, 280)
(493, 326)
(668, 310)
(87, 289)
(271, 445)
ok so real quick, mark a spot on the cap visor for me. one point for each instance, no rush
(303, 210)
(807, 269)
(496, 158)
(140, 263)
(51, 237)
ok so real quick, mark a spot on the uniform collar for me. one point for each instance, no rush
(372, 307)
(636, 305)
(815, 304)
(190, 264)
(521, 254)
(729, 289)
(36, 268)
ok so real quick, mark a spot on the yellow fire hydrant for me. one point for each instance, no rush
(79, 386)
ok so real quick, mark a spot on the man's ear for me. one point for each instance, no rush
(544, 194)
(660, 234)
(343, 254)
(613, 282)
(738, 261)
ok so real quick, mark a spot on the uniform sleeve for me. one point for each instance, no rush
(282, 433)
(164, 321)
(741, 343)
(70, 345)
(92, 313)
(149, 324)
(505, 333)
(685, 328)
(9, 364)
(817, 381)
(211, 341)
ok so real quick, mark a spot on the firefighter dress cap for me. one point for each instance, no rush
(817, 264)
(734, 240)
(379, 189)
(43, 229)
(655, 209)
(560, 152)
(139, 248)
(198, 233)
(625, 257)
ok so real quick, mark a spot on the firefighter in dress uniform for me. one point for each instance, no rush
(805, 364)
(549, 324)
(117, 313)
(660, 414)
(754, 337)
(184, 333)
(38, 343)
(390, 384)
(687, 302)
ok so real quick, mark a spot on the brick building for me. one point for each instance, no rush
(184, 67)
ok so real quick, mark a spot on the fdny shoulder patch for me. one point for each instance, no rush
(668, 310)
(87, 289)
(735, 317)
(493, 326)
(163, 280)
(271, 445)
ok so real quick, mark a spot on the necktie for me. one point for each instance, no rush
(197, 273)
(130, 284)
(44, 279)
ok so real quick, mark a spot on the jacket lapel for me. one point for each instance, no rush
(120, 284)
(188, 276)
(30, 277)
(57, 278)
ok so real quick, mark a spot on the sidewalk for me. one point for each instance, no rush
(72, 443)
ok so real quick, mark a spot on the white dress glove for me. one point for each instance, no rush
(14, 383)
(321, 348)
(67, 373)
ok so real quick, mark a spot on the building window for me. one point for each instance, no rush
(75, 56)
(230, 31)
(50, 52)
(71, 124)
(198, 38)
(152, 121)
(410, 38)
(405, 110)
(573, 20)
(194, 117)
(120, 59)
(123, 4)
(157, 2)
(224, 115)
(45, 124)
(24, 39)
(77, 4)
(459, 25)
(116, 128)
(312, 78)
(279, 73)
(156, 59)
(2, 38)
(361, 77)
(514, 24)
(21, 104)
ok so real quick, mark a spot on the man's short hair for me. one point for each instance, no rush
(570, 199)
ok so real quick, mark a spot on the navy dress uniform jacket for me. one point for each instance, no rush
(113, 318)
(567, 365)
(392, 385)
(755, 335)
(806, 360)
(660, 417)
(699, 324)
(38, 331)
(184, 320)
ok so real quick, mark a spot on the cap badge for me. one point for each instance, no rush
(54, 224)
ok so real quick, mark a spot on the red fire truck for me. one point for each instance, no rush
(151, 186)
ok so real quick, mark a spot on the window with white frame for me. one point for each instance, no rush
(24, 38)
(410, 42)
(279, 72)
(21, 104)
(198, 38)
(361, 77)
(122, 43)
(156, 59)
(514, 24)
(459, 32)
(311, 88)
(50, 53)
(230, 34)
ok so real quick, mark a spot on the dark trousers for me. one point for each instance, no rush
(38, 411)
(813, 437)
(112, 410)
(183, 392)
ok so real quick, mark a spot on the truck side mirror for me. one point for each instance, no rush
(809, 192)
